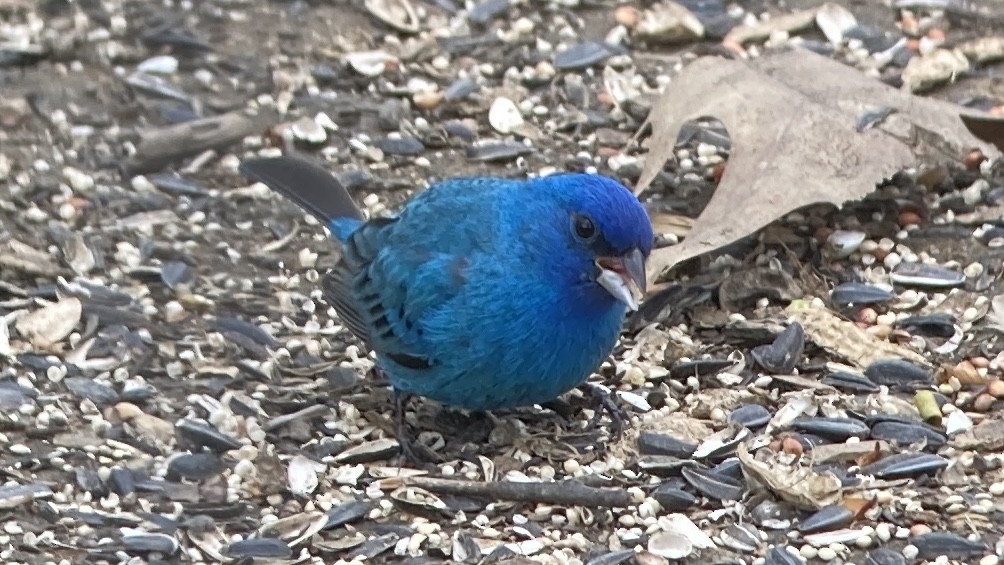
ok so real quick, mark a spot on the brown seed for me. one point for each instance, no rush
(823, 234)
(791, 446)
(967, 373)
(867, 316)
(974, 159)
(932, 177)
(717, 171)
(913, 45)
(908, 218)
(980, 362)
(936, 34)
(900, 336)
(919, 529)
(428, 100)
(995, 388)
(983, 403)
(604, 98)
(626, 16)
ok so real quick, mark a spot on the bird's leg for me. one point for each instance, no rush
(604, 403)
(401, 430)
(413, 451)
(376, 375)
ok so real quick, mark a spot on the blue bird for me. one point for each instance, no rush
(482, 293)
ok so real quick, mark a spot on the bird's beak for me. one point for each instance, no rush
(619, 274)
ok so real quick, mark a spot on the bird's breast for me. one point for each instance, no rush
(516, 361)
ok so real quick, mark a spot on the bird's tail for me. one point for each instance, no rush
(312, 187)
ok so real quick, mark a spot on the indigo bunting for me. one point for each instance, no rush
(482, 293)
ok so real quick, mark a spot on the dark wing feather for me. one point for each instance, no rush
(338, 292)
(309, 185)
(360, 302)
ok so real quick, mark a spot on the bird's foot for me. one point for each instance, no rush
(605, 403)
(414, 452)
(377, 377)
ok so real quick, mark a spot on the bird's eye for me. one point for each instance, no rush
(583, 226)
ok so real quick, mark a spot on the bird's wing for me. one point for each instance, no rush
(381, 291)
(340, 284)
(337, 288)
(396, 272)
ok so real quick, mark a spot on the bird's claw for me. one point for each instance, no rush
(605, 403)
(410, 448)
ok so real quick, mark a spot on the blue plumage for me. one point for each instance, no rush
(482, 293)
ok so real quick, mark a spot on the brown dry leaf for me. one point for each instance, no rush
(792, 118)
(856, 451)
(50, 324)
(676, 224)
(987, 436)
(983, 50)
(933, 69)
(668, 22)
(25, 258)
(798, 485)
(679, 425)
(703, 403)
(845, 339)
(789, 23)
(682, 427)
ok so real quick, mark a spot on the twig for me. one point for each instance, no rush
(566, 493)
(160, 147)
(312, 411)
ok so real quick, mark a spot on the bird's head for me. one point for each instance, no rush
(606, 234)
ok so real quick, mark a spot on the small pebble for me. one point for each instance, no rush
(892, 261)
(826, 554)
(910, 552)
(883, 531)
